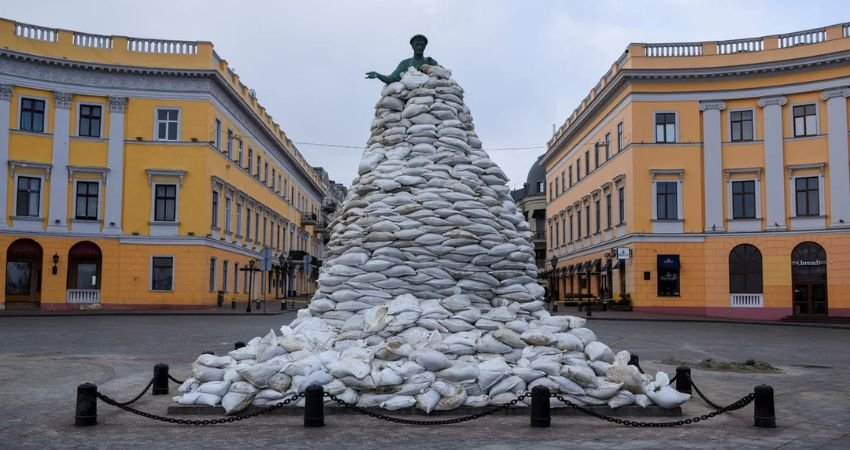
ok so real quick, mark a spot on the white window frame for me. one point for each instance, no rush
(676, 126)
(79, 108)
(225, 272)
(817, 119)
(807, 222)
(41, 193)
(621, 136)
(228, 213)
(729, 126)
(239, 206)
(47, 104)
(235, 277)
(240, 152)
(668, 225)
(217, 134)
(216, 216)
(173, 273)
(156, 123)
(733, 224)
(99, 199)
(176, 203)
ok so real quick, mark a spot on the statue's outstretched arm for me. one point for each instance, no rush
(379, 76)
(393, 77)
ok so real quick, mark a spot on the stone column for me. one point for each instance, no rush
(115, 162)
(774, 162)
(5, 105)
(839, 159)
(712, 165)
(57, 218)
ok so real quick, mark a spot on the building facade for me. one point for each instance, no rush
(717, 171)
(531, 200)
(142, 173)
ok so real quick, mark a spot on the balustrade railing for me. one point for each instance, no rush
(36, 32)
(92, 40)
(682, 49)
(802, 38)
(740, 45)
(83, 296)
(746, 300)
(162, 46)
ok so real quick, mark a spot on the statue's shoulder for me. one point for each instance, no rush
(431, 61)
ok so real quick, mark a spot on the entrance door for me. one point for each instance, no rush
(23, 273)
(808, 278)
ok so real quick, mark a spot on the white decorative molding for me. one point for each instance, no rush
(791, 168)
(712, 105)
(777, 100)
(842, 92)
(46, 167)
(678, 172)
(74, 170)
(6, 92)
(62, 100)
(172, 173)
(118, 104)
(737, 170)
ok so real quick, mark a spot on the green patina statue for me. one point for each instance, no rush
(418, 42)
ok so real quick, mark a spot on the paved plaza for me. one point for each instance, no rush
(43, 359)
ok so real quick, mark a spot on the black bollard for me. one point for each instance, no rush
(683, 380)
(541, 416)
(233, 304)
(314, 406)
(160, 379)
(283, 305)
(763, 412)
(555, 306)
(238, 345)
(589, 311)
(634, 360)
(86, 414)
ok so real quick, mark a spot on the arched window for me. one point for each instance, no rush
(745, 270)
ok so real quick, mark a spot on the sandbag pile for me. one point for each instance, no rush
(428, 295)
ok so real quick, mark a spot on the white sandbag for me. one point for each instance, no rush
(399, 402)
(189, 385)
(642, 400)
(492, 371)
(459, 373)
(239, 397)
(550, 365)
(259, 374)
(280, 382)
(623, 398)
(489, 344)
(600, 367)
(430, 359)
(477, 401)
(428, 400)
(349, 367)
(527, 374)
(597, 351)
(662, 394)
(300, 383)
(243, 353)
(584, 376)
(213, 361)
(567, 385)
(603, 389)
(369, 399)
(512, 383)
(538, 337)
(584, 334)
(568, 342)
(204, 374)
(517, 326)
(622, 372)
(509, 337)
(386, 377)
(456, 303)
(217, 388)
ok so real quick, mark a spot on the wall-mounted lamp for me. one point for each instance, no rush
(55, 262)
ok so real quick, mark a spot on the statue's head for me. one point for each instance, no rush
(418, 42)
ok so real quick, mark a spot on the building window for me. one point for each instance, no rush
(587, 219)
(165, 203)
(596, 155)
(744, 199)
(274, 177)
(266, 173)
(621, 194)
(665, 128)
(571, 229)
(557, 233)
(578, 169)
(32, 115)
(551, 234)
(86, 205)
(248, 224)
(212, 274)
(90, 116)
(265, 229)
(607, 146)
(238, 219)
(587, 162)
(551, 191)
(598, 215)
(668, 275)
(808, 196)
(224, 269)
(607, 211)
(578, 223)
(257, 226)
(236, 278)
(259, 162)
(741, 126)
(215, 209)
(666, 202)
(620, 137)
(570, 171)
(228, 210)
(278, 190)
(563, 182)
(805, 120)
(229, 139)
(167, 121)
(217, 137)
(745, 270)
(162, 273)
(239, 153)
(29, 197)
(563, 230)
(250, 160)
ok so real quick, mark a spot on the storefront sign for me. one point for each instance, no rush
(624, 253)
(817, 262)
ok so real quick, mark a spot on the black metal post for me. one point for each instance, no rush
(86, 414)
(160, 379)
(589, 313)
(541, 415)
(683, 380)
(314, 406)
(238, 344)
(634, 360)
(763, 412)
(250, 284)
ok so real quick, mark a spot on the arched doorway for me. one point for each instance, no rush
(84, 268)
(745, 276)
(23, 272)
(808, 279)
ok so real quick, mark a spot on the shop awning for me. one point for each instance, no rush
(669, 262)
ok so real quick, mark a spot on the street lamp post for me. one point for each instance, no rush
(250, 269)
(554, 263)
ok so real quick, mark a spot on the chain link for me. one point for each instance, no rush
(451, 421)
(175, 379)
(704, 398)
(228, 419)
(136, 398)
(744, 401)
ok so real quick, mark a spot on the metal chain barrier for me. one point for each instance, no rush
(175, 379)
(744, 401)
(704, 398)
(455, 420)
(229, 419)
(136, 398)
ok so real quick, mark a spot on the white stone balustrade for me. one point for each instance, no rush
(746, 300)
(91, 40)
(740, 45)
(162, 46)
(83, 296)
(36, 32)
(682, 49)
(802, 38)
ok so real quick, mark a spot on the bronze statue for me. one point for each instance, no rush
(418, 42)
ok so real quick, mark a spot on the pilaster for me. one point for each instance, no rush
(5, 105)
(712, 165)
(115, 161)
(57, 221)
(839, 157)
(774, 161)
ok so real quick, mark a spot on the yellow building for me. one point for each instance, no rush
(719, 169)
(142, 173)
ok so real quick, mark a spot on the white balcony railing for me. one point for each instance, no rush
(162, 46)
(83, 296)
(740, 45)
(746, 300)
(92, 40)
(684, 49)
(802, 38)
(36, 32)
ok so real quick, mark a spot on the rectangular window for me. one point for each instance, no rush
(741, 124)
(596, 155)
(250, 160)
(598, 215)
(229, 139)
(215, 209)
(808, 196)
(279, 184)
(571, 228)
(32, 115)
(167, 121)
(228, 205)
(556, 186)
(805, 120)
(551, 234)
(607, 211)
(162, 273)
(587, 219)
(236, 278)
(217, 137)
(621, 194)
(578, 223)
(563, 182)
(240, 153)
(165, 203)
(570, 171)
(248, 224)
(607, 146)
(668, 275)
(578, 169)
(274, 177)
(266, 173)
(587, 162)
(257, 226)
(86, 205)
(224, 269)
(29, 197)
(666, 202)
(259, 162)
(551, 191)
(265, 229)
(238, 219)
(212, 274)
(665, 128)
(744, 199)
(620, 140)
(279, 245)
(557, 233)
(90, 116)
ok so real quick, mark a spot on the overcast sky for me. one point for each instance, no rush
(524, 64)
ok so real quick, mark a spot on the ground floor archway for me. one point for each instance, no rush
(23, 273)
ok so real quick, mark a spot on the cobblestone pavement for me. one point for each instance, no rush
(43, 359)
